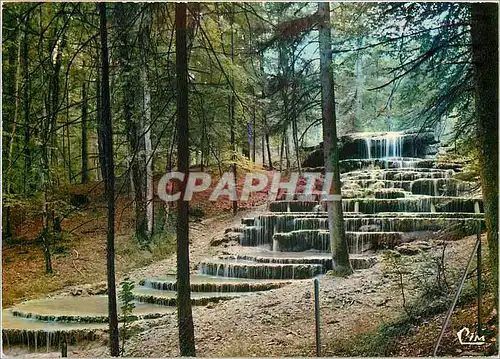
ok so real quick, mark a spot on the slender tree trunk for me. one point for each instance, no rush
(359, 84)
(184, 311)
(17, 110)
(149, 152)
(109, 184)
(264, 117)
(27, 180)
(134, 124)
(269, 152)
(232, 110)
(484, 29)
(263, 147)
(282, 151)
(253, 128)
(287, 148)
(100, 151)
(144, 41)
(338, 242)
(295, 128)
(85, 155)
(70, 172)
(58, 47)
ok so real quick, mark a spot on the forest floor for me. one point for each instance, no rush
(80, 257)
(281, 322)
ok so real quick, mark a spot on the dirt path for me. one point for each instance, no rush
(201, 233)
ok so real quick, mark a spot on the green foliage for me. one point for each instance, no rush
(163, 244)
(196, 212)
(126, 297)
(379, 343)
(127, 305)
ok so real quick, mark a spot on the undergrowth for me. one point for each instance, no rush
(427, 284)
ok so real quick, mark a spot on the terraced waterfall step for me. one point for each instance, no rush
(412, 204)
(358, 242)
(35, 333)
(350, 165)
(204, 283)
(394, 223)
(254, 270)
(169, 298)
(309, 257)
(91, 309)
(265, 226)
(397, 174)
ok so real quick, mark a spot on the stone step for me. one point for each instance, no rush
(393, 223)
(69, 309)
(169, 298)
(412, 204)
(250, 269)
(268, 224)
(425, 186)
(350, 165)
(35, 333)
(203, 283)
(325, 259)
(390, 193)
(358, 242)
(399, 174)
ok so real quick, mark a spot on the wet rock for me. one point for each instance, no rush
(236, 229)
(412, 248)
(226, 239)
(77, 292)
(370, 228)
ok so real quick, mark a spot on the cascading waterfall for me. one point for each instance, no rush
(392, 200)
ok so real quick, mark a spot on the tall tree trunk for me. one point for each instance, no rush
(484, 29)
(98, 118)
(338, 242)
(85, 155)
(282, 150)
(57, 49)
(17, 110)
(271, 167)
(264, 117)
(133, 120)
(253, 137)
(149, 151)
(287, 148)
(70, 172)
(359, 85)
(184, 310)
(109, 183)
(293, 110)
(263, 146)
(232, 110)
(27, 179)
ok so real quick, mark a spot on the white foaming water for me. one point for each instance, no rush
(368, 143)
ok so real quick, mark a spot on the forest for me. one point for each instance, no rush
(249, 179)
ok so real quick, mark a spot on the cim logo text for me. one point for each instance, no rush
(466, 337)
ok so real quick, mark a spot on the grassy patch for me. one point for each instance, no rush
(378, 343)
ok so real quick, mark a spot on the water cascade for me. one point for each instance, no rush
(389, 196)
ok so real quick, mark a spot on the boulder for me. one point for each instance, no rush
(226, 238)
